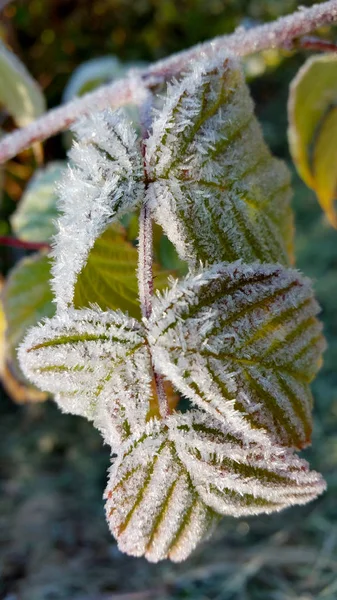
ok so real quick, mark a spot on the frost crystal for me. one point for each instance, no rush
(104, 181)
(96, 365)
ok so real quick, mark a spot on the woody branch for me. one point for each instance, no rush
(133, 88)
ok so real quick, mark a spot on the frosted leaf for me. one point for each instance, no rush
(97, 366)
(151, 506)
(168, 488)
(236, 477)
(242, 341)
(104, 181)
(216, 190)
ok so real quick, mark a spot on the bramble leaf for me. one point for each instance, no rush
(152, 507)
(19, 92)
(97, 366)
(313, 128)
(34, 219)
(168, 487)
(175, 474)
(242, 341)
(214, 187)
(91, 74)
(106, 181)
(109, 278)
(27, 298)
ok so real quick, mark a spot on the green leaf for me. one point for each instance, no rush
(27, 298)
(105, 182)
(19, 93)
(243, 341)
(109, 277)
(91, 74)
(313, 128)
(324, 164)
(217, 192)
(34, 218)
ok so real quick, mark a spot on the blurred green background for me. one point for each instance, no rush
(55, 543)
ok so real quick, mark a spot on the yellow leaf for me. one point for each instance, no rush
(325, 165)
(313, 127)
(109, 277)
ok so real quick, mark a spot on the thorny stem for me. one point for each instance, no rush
(145, 261)
(278, 34)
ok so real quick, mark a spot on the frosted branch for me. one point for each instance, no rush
(145, 286)
(145, 276)
(131, 90)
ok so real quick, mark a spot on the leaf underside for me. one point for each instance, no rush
(34, 220)
(19, 92)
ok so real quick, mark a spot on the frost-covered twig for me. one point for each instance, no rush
(129, 90)
(58, 119)
(145, 275)
(145, 257)
(145, 285)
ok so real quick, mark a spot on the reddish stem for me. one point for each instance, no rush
(15, 243)
(312, 43)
